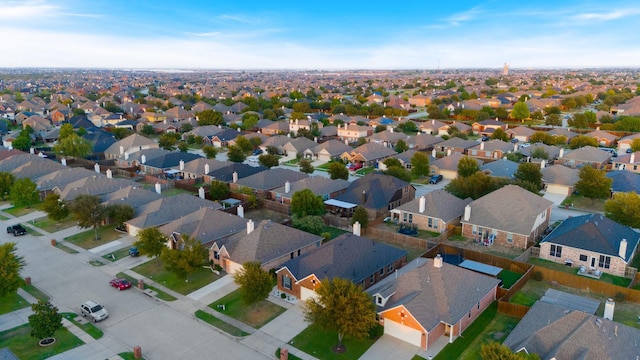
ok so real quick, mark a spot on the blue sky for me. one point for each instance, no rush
(330, 34)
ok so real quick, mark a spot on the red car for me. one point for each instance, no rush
(120, 284)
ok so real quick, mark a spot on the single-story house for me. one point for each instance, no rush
(434, 211)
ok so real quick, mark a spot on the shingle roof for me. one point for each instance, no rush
(380, 190)
(562, 175)
(225, 173)
(319, 185)
(624, 181)
(439, 204)
(134, 196)
(332, 147)
(373, 151)
(503, 168)
(271, 179)
(451, 162)
(206, 225)
(167, 209)
(588, 153)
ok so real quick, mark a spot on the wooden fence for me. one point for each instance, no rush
(512, 309)
(400, 239)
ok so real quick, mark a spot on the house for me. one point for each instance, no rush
(205, 132)
(275, 128)
(459, 126)
(432, 301)
(501, 168)
(563, 132)
(199, 167)
(587, 155)
(487, 127)
(625, 142)
(158, 161)
(455, 145)
(629, 162)
(269, 243)
(593, 241)
(559, 179)
(231, 172)
(353, 132)
(90, 185)
(521, 133)
(509, 216)
(537, 152)
(296, 125)
(447, 166)
(387, 138)
(264, 181)
(624, 181)
(423, 141)
(297, 146)
(131, 144)
(348, 256)
(319, 185)
(604, 138)
(368, 154)
(224, 138)
(493, 149)
(431, 127)
(327, 151)
(134, 196)
(435, 211)
(404, 158)
(420, 100)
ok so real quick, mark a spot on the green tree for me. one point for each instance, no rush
(635, 146)
(361, 215)
(312, 224)
(362, 140)
(235, 154)
(624, 208)
(520, 111)
(244, 144)
(474, 186)
(184, 261)
(306, 167)
(593, 183)
(55, 207)
(183, 146)
(501, 113)
(493, 350)
(342, 306)
(151, 242)
(338, 170)
(209, 151)
(74, 146)
(219, 190)
(305, 203)
(420, 165)
(500, 134)
(255, 283)
(147, 129)
(119, 214)
(553, 120)
(186, 127)
(543, 137)
(467, 166)
(23, 140)
(401, 146)
(45, 320)
(389, 162)
(539, 153)
(24, 193)
(88, 212)
(531, 173)
(399, 172)
(10, 266)
(268, 160)
(6, 182)
(210, 117)
(118, 133)
(168, 141)
(581, 141)
(66, 130)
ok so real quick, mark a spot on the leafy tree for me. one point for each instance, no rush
(183, 146)
(420, 164)
(399, 172)
(74, 146)
(244, 144)
(66, 130)
(362, 140)
(268, 160)
(553, 120)
(537, 115)
(151, 242)
(235, 154)
(593, 183)
(24, 193)
(361, 215)
(389, 162)
(500, 134)
(119, 213)
(23, 140)
(88, 211)
(255, 283)
(501, 113)
(543, 137)
(474, 186)
(539, 153)
(531, 173)
(581, 141)
(635, 146)
(435, 112)
(219, 190)
(306, 167)
(467, 166)
(168, 141)
(210, 151)
(55, 207)
(338, 170)
(401, 146)
(6, 182)
(495, 351)
(10, 266)
(210, 117)
(185, 260)
(186, 127)
(45, 320)
(342, 306)
(147, 129)
(380, 128)
(118, 133)
(520, 111)
(312, 224)
(306, 203)
(624, 208)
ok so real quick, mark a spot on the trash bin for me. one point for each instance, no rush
(141, 284)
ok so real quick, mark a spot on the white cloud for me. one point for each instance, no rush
(607, 16)
(34, 10)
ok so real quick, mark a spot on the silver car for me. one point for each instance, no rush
(96, 311)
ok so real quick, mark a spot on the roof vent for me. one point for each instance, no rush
(598, 322)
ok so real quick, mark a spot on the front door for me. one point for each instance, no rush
(593, 262)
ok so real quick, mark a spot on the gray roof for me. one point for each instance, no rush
(96, 184)
(553, 331)
(131, 141)
(196, 166)
(28, 166)
(348, 256)
(502, 168)
(379, 191)
(456, 142)
(333, 147)
(493, 145)
(451, 162)
(439, 204)
(594, 232)
(552, 151)
(559, 174)
(62, 177)
(624, 181)
(571, 301)
(319, 185)
(588, 153)
(510, 208)
(167, 209)
(206, 225)
(225, 173)
(134, 196)
(424, 140)
(373, 151)
(271, 179)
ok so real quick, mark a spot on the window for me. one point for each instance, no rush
(509, 237)
(286, 282)
(604, 262)
(216, 255)
(556, 250)
(389, 268)
(404, 217)
(291, 255)
(298, 252)
(430, 222)
(410, 218)
(372, 279)
(382, 271)
(478, 306)
(583, 257)
(474, 229)
(379, 300)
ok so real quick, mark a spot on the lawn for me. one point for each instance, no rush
(508, 278)
(87, 327)
(581, 202)
(12, 302)
(318, 342)
(87, 239)
(154, 270)
(26, 347)
(214, 321)
(51, 226)
(117, 255)
(32, 231)
(134, 282)
(365, 170)
(497, 330)
(335, 232)
(289, 356)
(128, 356)
(469, 336)
(255, 315)
(611, 279)
(20, 211)
(66, 248)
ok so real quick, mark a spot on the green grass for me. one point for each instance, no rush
(214, 321)
(323, 167)
(26, 347)
(32, 231)
(87, 327)
(318, 342)
(581, 202)
(455, 349)
(365, 170)
(12, 302)
(508, 278)
(335, 232)
(128, 356)
(174, 191)
(34, 291)
(290, 356)
(608, 278)
(20, 211)
(160, 294)
(155, 271)
(66, 248)
(87, 239)
(117, 255)
(51, 226)
(497, 330)
(255, 315)
(2, 217)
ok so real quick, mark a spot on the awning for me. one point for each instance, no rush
(338, 203)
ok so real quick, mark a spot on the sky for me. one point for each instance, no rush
(323, 35)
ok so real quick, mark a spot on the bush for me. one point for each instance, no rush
(537, 276)
(326, 236)
(217, 267)
(619, 297)
(283, 295)
(376, 332)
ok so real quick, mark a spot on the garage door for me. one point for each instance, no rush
(405, 333)
(557, 189)
(306, 293)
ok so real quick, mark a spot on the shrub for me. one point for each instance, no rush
(619, 297)
(376, 332)
(326, 236)
(537, 276)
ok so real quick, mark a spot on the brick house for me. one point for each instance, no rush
(434, 211)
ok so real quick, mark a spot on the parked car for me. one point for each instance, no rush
(120, 284)
(354, 166)
(435, 179)
(133, 251)
(16, 230)
(253, 158)
(94, 310)
(257, 151)
(485, 138)
(408, 229)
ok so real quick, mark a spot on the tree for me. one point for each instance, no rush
(474, 186)
(553, 120)
(255, 283)
(593, 183)
(268, 160)
(493, 350)
(389, 162)
(520, 111)
(55, 207)
(210, 117)
(635, 146)
(88, 211)
(6, 182)
(235, 154)
(147, 129)
(306, 167)
(23, 140)
(118, 133)
(244, 144)
(581, 141)
(338, 170)
(467, 166)
(74, 146)
(66, 130)
(10, 266)
(185, 260)
(219, 190)
(119, 213)
(209, 151)
(24, 193)
(151, 242)
(420, 165)
(45, 320)
(539, 153)
(361, 215)
(312, 224)
(399, 172)
(624, 208)
(306, 203)
(183, 146)
(530, 172)
(543, 137)
(342, 306)
(168, 141)
(500, 134)
(401, 146)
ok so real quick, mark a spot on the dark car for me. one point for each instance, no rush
(435, 179)
(133, 251)
(16, 230)
(408, 229)
(485, 138)
(257, 151)
(120, 284)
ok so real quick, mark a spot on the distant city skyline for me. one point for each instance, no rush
(327, 35)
